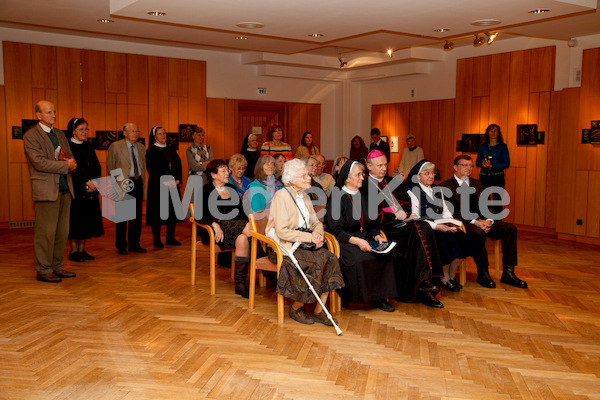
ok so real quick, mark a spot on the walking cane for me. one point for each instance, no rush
(290, 254)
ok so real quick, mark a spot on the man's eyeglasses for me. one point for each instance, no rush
(466, 165)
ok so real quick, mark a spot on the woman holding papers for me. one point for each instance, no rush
(369, 277)
(430, 203)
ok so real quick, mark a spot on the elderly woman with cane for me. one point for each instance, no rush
(292, 219)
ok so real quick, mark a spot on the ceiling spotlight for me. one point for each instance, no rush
(316, 35)
(539, 10)
(441, 30)
(448, 45)
(105, 20)
(491, 37)
(486, 22)
(157, 13)
(241, 38)
(250, 25)
(478, 40)
(572, 42)
(342, 62)
(390, 52)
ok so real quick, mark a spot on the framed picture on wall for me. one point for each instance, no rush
(106, 138)
(526, 134)
(384, 138)
(17, 132)
(186, 132)
(595, 132)
(470, 142)
(394, 144)
(173, 140)
(27, 124)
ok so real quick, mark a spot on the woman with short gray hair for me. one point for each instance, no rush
(293, 219)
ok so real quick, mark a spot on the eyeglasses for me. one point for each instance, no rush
(466, 165)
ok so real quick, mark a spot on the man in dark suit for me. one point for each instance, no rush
(466, 192)
(129, 155)
(50, 161)
(378, 144)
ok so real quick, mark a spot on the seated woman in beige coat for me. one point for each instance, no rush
(293, 218)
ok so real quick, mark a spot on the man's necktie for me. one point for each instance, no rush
(136, 170)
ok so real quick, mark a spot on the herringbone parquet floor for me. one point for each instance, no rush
(132, 327)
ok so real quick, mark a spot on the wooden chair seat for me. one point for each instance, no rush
(211, 247)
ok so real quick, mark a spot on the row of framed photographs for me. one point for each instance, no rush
(104, 139)
(527, 134)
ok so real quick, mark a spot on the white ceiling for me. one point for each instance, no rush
(349, 27)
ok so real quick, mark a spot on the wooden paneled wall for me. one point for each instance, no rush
(224, 116)
(510, 89)
(107, 89)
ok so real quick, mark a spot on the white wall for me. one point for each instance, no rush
(345, 106)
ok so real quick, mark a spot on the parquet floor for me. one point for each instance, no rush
(132, 327)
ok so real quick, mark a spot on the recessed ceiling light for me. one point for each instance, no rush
(316, 35)
(157, 13)
(441, 30)
(241, 37)
(105, 20)
(250, 25)
(486, 22)
(539, 10)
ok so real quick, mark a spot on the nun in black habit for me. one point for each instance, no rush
(369, 277)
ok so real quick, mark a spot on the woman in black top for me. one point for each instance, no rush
(86, 217)
(161, 160)
(251, 151)
(227, 218)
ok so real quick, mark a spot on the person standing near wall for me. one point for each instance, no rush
(50, 163)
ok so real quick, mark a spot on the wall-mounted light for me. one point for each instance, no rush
(572, 42)
(448, 45)
(491, 37)
(478, 40)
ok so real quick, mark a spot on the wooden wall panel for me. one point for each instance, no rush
(92, 76)
(197, 92)
(464, 93)
(28, 204)
(138, 114)
(43, 67)
(482, 68)
(68, 104)
(448, 140)
(542, 69)
(137, 79)
(232, 143)
(15, 192)
(115, 65)
(158, 94)
(5, 138)
(581, 201)
(593, 211)
(518, 102)
(552, 168)
(499, 88)
(542, 161)
(95, 115)
(178, 77)
(18, 89)
(215, 126)
(567, 145)
(589, 155)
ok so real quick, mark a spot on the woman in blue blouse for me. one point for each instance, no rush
(493, 158)
(263, 188)
(237, 167)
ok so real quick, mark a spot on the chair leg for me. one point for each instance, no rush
(193, 263)
(497, 258)
(463, 272)
(335, 302)
(232, 263)
(213, 257)
(280, 305)
(252, 288)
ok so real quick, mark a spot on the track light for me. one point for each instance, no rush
(342, 62)
(491, 37)
(478, 40)
(448, 45)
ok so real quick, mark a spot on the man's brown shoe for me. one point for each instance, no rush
(49, 277)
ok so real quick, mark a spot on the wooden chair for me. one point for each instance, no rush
(212, 248)
(463, 266)
(258, 223)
